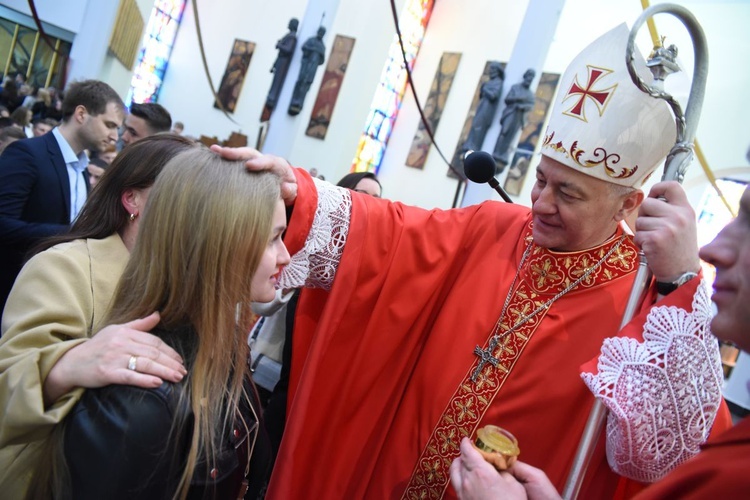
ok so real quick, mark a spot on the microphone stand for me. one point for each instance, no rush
(496, 186)
(677, 162)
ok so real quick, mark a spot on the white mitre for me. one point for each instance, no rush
(601, 123)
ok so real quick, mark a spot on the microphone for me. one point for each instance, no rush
(479, 167)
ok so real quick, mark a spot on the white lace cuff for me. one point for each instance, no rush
(662, 394)
(315, 265)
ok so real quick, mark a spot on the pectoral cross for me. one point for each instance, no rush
(486, 357)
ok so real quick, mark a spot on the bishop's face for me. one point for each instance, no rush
(572, 211)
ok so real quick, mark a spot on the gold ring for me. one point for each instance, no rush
(133, 363)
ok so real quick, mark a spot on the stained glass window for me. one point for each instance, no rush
(387, 101)
(153, 57)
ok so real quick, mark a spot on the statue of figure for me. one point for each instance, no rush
(519, 101)
(313, 55)
(489, 96)
(281, 66)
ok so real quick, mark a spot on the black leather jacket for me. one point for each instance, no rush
(119, 443)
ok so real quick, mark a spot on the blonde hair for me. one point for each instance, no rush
(207, 223)
(44, 96)
(206, 227)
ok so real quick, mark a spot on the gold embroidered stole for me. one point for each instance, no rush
(544, 275)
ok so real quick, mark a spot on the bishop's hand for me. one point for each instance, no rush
(666, 232)
(256, 161)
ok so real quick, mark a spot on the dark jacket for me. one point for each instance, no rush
(34, 201)
(119, 443)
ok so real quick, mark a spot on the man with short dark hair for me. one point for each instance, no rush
(144, 120)
(43, 180)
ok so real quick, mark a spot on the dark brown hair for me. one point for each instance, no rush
(94, 95)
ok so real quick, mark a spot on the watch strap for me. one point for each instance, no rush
(667, 287)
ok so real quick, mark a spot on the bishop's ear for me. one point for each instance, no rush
(629, 205)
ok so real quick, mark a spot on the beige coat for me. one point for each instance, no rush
(58, 301)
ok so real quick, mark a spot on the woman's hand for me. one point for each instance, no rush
(104, 358)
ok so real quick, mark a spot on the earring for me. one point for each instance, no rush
(132, 217)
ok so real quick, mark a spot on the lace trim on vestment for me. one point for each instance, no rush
(663, 393)
(315, 265)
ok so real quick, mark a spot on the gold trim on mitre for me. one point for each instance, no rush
(625, 134)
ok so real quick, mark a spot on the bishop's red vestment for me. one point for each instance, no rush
(721, 470)
(381, 391)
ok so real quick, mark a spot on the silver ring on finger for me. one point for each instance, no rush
(133, 364)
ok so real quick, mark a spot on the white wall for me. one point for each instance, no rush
(480, 30)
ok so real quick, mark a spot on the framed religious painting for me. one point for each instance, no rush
(433, 108)
(322, 111)
(234, 75)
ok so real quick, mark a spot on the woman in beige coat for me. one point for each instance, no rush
(48, 351)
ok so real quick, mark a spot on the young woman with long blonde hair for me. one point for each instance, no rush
(210, 243)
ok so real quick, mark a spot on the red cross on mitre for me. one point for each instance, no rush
(600, 97)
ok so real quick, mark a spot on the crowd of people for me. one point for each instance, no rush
(135, 263)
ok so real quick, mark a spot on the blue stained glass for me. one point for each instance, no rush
(153, 58)
(387, 99)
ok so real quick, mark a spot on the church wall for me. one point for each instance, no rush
(481, 30)
(371, 25)
(724, 122)
(186, 94)
(185, 91)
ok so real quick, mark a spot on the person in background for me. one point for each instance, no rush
(22, 119)
(108, 154)
(55, 342)
(362, 182)
(41, 126)
(96, 168)
(29, 94)
(10, 134)
(42, 105)
(178, 128)
(720, 470)
(210, 242)
(9, 95)
(43, 180)
(143, 120)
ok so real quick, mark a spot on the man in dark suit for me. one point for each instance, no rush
(43, 181)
